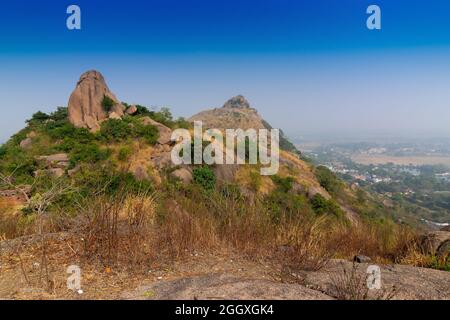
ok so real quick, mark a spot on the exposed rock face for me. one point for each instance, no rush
(437, 242)
(58, 160)
(85, 103)
(31, 134)
(402, 282)
(26, 143)
(131, 110)
(235, 114)
(361, 258)
(237, 102)
(114, 115)
(55, 165)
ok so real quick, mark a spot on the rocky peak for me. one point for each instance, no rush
(237, 102)
(85, 106)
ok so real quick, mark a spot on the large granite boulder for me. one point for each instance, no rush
(85, 106)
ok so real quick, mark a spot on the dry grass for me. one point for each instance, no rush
(352, 285)
(198, 223)
(134, 232)
(119, 230)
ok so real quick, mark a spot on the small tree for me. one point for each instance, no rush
(107, 103)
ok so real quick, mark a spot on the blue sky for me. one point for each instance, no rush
(307, 66)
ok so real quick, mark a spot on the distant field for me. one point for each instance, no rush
(417, 160)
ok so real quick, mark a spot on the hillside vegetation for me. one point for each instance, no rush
(116, 196)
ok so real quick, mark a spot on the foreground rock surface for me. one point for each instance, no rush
(399, 282)
(223, 286)
(402, 282)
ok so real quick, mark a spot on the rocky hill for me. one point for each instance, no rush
(97, 179)
(236, 113)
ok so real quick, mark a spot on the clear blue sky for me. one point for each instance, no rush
(307, 66)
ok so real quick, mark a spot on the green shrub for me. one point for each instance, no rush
(88, 153)
(66, 130)
(107, 180)
(115, 130)
(182, 123)
(16, 160)
(3, 151)
(141, 110)
(124, 153)
(61, 114)
(283, 184)
(163, 116)
(282, 204)
(107, 103)
(148, 132)
(321, 205)
(328, 179)
(38, 117)
(204, 177)
(255, 180)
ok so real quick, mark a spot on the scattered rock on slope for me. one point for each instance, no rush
(86, 101)
(183, 174)
(26, 143)
(436, 242)
(131, 110)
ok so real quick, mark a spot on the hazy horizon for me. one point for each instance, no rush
(310, 67)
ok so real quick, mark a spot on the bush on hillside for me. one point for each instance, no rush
(124, 153)
(61, 114)
(283, 184)
(106, 180)
(148, 133)
(328, 179)
(107, 103)
(204, 177)
(88, 153)
(115, 130)
(321, 205)
(38, 117)
(286, 204)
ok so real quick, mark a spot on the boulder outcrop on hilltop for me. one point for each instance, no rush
(237, 102)
(87, 102)
(236, 113)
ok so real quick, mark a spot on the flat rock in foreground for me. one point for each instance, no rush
(401, 282)
(223, 287)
